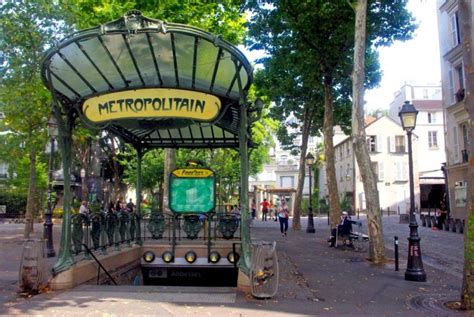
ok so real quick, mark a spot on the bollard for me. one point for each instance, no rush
(388, 211)
(358, 213)
(328, 216)
(396, 252)
(429, 218)
(398, 208)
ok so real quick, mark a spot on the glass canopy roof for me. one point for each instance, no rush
(135, 53)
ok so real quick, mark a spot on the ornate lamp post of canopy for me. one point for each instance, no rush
(310, 161)
(48, 224)
(415, 271)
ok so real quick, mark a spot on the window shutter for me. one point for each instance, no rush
(405, 171)
(381, 171)
(455, 145)
(391, 143)
(379, 144)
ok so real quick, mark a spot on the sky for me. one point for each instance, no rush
(416, 60)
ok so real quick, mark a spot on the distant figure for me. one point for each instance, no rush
(83, 209)
(236, 211)
(265, 205)
(441, 215)
(253, 207)
(118, 205)
(343, 228)
(130, 206)
(283, 215)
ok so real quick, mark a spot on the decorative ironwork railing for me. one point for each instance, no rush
(105, 230)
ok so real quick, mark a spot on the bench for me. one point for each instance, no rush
(355, 239)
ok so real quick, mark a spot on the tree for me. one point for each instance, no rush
(28, 28)
(377, 249)
(328, 45)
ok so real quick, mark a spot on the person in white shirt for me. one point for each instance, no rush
(83, 209)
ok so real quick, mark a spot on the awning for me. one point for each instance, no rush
(152, 83)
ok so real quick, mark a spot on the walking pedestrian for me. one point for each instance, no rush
(265, 205)
(283, 215)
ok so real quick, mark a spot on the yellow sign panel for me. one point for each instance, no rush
(152, 103)
(193, 172)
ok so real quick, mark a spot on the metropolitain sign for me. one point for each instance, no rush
(152, 103)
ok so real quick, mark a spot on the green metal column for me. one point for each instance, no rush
(65, 258)
(139, 195)
(245, 261)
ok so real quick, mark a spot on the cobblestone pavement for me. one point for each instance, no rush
(314, 281)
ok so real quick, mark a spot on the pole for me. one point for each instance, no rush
(414, 271)
(48, 224)
(310, 227)
(396, 252)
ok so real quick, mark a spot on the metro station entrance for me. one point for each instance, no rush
(152, 85)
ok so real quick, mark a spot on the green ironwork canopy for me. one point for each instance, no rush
(162, 65)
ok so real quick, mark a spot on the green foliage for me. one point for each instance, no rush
(19, 184)
(218, 17)
(15, 202)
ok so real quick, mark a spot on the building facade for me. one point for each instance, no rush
(455, 28)
(387, 145)
(427, 99)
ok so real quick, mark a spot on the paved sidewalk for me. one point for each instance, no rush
(314, 281)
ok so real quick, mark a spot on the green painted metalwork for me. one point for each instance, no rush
(227, 225)
(192, 226)
(133, 226)
(123, 219)
(139, 195)
(111, 221)
(156, 226)
(78, 222)
(246, 251)
(96, 222)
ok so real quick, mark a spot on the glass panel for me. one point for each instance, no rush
(118, 49)
(63, 71)
(206, 58)
(80, 62)
(62, 89)
(164, 55)
(184, 45)
(98, 54)
(191, 194)
(225, 74)
(141, 51)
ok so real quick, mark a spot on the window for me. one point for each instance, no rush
(465, 136)
(373, 144)
(456, 83)
(283, 160)
(433, 139)
(401, 171)
(378, 171)
(455, 155)
(287, 181)
(455, 36)
(425, 93)
(3, 170)
(431, 117)
(397, 143)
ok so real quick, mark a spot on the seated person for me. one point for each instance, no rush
(343, 228)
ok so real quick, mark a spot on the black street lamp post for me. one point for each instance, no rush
(310, 161)
(48, 224)
(414, 271)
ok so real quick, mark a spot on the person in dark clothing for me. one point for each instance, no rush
(343, 228)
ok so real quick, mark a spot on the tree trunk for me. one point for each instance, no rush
(296, 224)
(170, 164)
(376, 244)
(30, 203)
(465, 23)
(328, 126)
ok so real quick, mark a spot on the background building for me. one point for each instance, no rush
(452, 14)
(430, 134)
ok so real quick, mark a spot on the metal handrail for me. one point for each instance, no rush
(100, 266)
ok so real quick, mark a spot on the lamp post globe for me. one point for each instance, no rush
(48, 224)
(309, 160)
(414, 271)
